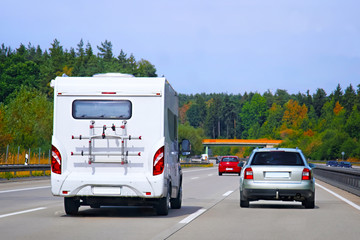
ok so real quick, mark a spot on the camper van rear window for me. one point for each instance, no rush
(101, 109)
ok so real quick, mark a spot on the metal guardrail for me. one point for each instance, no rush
(347, 179)
(24, 168)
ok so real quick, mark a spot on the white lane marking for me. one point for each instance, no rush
(210, 175)
(193, 216)
(340, 197)
(227, 193)
(22, 212)
(24, 189)
(194, 178)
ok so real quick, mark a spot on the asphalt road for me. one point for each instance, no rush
(210, 211)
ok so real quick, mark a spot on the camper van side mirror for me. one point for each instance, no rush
(185, 147)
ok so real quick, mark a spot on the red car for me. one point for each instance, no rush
(229, 164)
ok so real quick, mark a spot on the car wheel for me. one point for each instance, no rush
(162, 208)
(309, 203)
(244, 202)
(176, 202)
(220, 173)
(71, 205)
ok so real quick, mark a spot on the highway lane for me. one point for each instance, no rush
(210, 211)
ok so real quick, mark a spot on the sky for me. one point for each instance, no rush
(207, 46)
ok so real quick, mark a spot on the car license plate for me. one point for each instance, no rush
(277, 174)
(229, 169)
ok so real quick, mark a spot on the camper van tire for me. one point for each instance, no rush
(71, 205)
(162, 207)
(175, 203)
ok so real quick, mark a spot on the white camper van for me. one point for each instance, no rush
(115, 142)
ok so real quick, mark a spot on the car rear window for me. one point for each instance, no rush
(102, 109)
(229, 159)
(277, 158)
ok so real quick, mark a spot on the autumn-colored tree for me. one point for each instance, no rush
(338, 108)
(5, 138)
(182, 112)
(66, 70)
(294, 114)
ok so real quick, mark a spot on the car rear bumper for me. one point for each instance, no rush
(282, 191)
(277, 194)
(229, 170)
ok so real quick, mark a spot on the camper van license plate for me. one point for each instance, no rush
(106, 190)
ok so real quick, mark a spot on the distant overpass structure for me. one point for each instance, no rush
(240, 143)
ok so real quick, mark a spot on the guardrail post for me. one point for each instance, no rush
(18, 155)
(7, 153)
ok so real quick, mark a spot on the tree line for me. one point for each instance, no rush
(322, 125)
(26, 96)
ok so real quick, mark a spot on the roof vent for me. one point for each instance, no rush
(123, 75)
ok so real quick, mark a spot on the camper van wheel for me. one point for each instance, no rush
(163, 206)
(176, 202)
(71, 205)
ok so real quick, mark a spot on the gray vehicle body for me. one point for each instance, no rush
(277, 174)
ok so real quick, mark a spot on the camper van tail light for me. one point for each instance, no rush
(158, 166)
(55, 160)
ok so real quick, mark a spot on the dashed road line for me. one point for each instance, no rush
(23, 189)
(22, 212)
(191, 217)
(227, 193)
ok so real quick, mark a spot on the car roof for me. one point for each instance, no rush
(277, 149)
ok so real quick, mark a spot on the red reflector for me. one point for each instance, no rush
(158, 94)
(108, 92)
(148, 193)
(248, 173)
(65, 192)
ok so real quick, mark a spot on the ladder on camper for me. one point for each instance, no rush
(123, 137)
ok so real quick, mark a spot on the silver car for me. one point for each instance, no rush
(277, 174)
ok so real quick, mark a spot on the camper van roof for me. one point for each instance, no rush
(116, 85)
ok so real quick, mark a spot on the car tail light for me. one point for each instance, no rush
(158, 165)
(248, 173)
(306, 174)
(55, 160)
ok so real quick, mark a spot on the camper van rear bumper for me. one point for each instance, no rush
(109, 186)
